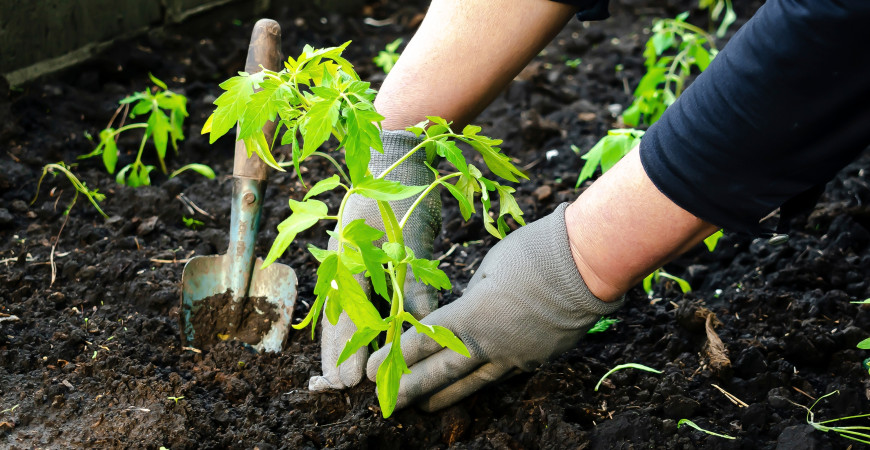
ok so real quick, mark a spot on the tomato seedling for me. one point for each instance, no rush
(166, 111)
(80, 187)
(387, 57)
(715, 8)
(318, 95)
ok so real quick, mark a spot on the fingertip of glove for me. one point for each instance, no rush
(320, 383)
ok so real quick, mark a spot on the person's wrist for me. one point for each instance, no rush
(583, 251)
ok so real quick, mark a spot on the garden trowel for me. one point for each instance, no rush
(229, 296)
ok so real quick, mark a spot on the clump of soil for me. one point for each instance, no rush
(216, 318)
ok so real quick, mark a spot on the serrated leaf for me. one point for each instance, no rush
(466, 207)
(231, 105)
(398, 253)
(262, 107)
(360, 338)
(497, 162)
(362, 135)
(325, 275)
(317, 124)
(319, 254)
(427, 271)
(508, 204)
(322, 186)
(386, 190)
(452, 153)
(439, 334)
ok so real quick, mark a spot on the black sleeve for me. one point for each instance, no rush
(589, 9)
(781, 109)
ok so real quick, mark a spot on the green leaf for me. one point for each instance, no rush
(695, 426)
(508, 204)
(110, 149)
(398, 253)
(304, 216)
(317, 124)
(361, 235)
(201, 169)
(466, 207)
(497, 162)
(231, 105)
(602, 325)
(684, 285)
(662, 41)
(262, 107)
(713, 239)
(157, 81)
(439, 334)
(362, 135)
(865, 344)
(427, 271)
(354, 301)
(648, 281)
(625, 366)
(386, 190)
(322, 186)
(359, 339)
(325, 274)
(320, 254)
(389, 374)
(158, 127)
(452, 153)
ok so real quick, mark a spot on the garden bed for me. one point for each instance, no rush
(94, 360)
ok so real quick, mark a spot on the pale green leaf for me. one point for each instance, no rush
(386, 190)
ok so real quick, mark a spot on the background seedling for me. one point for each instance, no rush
(318, 95)
(624, 366)
(695, 426)
(387, 58)
(175, 399)
(602, 325)
(191, 223)
(715, 8)
(93, 196)
(855, 433)
(657, 275)
(166, 111)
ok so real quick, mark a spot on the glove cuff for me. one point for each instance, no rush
(566, 278)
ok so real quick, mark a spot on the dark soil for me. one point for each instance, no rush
(94, 359)
(215, 319)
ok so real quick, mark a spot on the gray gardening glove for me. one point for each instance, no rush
(525, 304)
(419, 234)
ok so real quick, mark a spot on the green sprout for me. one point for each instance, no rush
(625, 366)
(192, 223)
(175, 399)
(855, 433)
(657, 275)
(602, 325)
(93, 196)
(695, 426)
(387, 58)
(166, 111)
(574, 63)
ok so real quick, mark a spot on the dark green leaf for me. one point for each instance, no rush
(466, 207)
(497, 162)
(452, 153)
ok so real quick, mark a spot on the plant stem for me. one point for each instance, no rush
(419, 200)
(336, 164)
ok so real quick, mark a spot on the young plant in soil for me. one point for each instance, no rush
(166, 112)
(855, 433)
(80, 187)
(318, 95)
(622, 367)
(387, 57)
(695, 426)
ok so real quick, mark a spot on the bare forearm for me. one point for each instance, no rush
(622, 228)
(463, 56)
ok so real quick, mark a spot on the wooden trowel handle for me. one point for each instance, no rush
(265, 50)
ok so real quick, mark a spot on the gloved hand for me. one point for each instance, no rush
(525, 304)
(419, 234)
